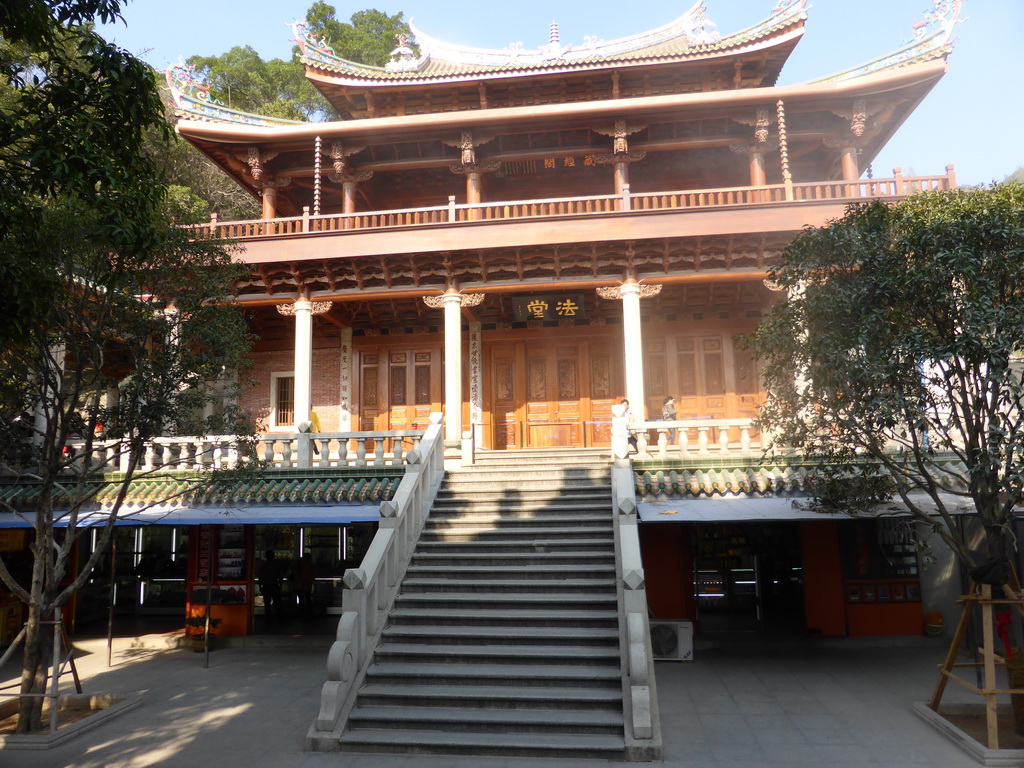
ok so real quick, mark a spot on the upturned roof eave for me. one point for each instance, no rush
(362, 76)
(383, 129)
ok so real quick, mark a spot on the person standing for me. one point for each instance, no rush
(630, 425)
(302, 585)
(270, 587)
(668, 413)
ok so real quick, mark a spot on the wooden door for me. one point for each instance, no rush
(504, 400)
(700, 362)
(399, 387)
(553, 416)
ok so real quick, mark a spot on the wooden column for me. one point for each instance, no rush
(269, 201)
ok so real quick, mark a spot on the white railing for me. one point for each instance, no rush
(595, 205)
(643, 731)
(370, 589)
(284, 450)
(337, 449)
(700, 437)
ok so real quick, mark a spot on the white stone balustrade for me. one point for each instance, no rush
(700, 437)
(284, 450)
(370, 589)
(643, 733)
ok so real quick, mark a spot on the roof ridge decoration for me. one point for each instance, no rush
(693, 29)
(932, 37)
(192, 100)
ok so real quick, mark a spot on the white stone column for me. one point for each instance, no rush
(303, 358)
(632, 343)
(452, 303)
(345, 396)
(632, 340)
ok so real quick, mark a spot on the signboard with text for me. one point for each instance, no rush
(555, 306)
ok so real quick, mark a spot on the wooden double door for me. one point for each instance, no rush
(399, 387)
(552, 393)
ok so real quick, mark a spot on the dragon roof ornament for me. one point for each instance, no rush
(932, 37)
(693, 31)
(193, 101)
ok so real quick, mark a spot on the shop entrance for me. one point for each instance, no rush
(749, 578)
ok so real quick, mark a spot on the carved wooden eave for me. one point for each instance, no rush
(562, 266)
(893, 92)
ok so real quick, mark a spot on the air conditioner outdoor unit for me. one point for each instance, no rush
(672, 640)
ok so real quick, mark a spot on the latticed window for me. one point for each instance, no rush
(284, 401)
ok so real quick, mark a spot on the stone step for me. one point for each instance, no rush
(495, 599)
(564, 654)
(512, 675)
(514, 558)
(591, 542)
(415, 585)
(533, 533)
(474, 573)
(557, 745)
(510, 522)
(484, 635)
(492, 697)
(508, 617)
(488, 494)
(475, 720)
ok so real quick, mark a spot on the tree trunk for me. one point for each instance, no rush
(33, 674)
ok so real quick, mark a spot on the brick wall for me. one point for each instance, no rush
(325, 387)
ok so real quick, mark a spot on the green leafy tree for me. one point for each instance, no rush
(894, 361)
(242, 80)
(368, 37)
(74, 111)
(156, 327)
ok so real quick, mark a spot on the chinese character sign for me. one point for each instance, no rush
(549, 307)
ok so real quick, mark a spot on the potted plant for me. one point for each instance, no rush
(202, 636)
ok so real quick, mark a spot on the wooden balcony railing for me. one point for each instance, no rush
(525, 210)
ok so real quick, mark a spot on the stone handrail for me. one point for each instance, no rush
(718, 436)
(337, 449)
(370, 589)
(596, 205)
(289, 450)
(643, 731)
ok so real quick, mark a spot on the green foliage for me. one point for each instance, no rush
(74, 111)
(242, 80)
(368, 37)
(897, 348)
(157, 327)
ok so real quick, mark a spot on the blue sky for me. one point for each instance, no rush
(971, 119)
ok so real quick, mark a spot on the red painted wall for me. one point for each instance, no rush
(823, 577)
(667, 552)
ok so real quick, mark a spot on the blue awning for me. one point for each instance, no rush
(205, 515)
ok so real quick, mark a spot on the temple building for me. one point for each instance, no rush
(519, 240)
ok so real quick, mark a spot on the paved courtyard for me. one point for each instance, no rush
(796, 704)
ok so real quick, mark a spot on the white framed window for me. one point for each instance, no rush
(282, 400)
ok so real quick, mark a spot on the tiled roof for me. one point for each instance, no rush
(271, 487)
(690, 37)
(658, 480)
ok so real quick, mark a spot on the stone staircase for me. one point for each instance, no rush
(504, 638)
